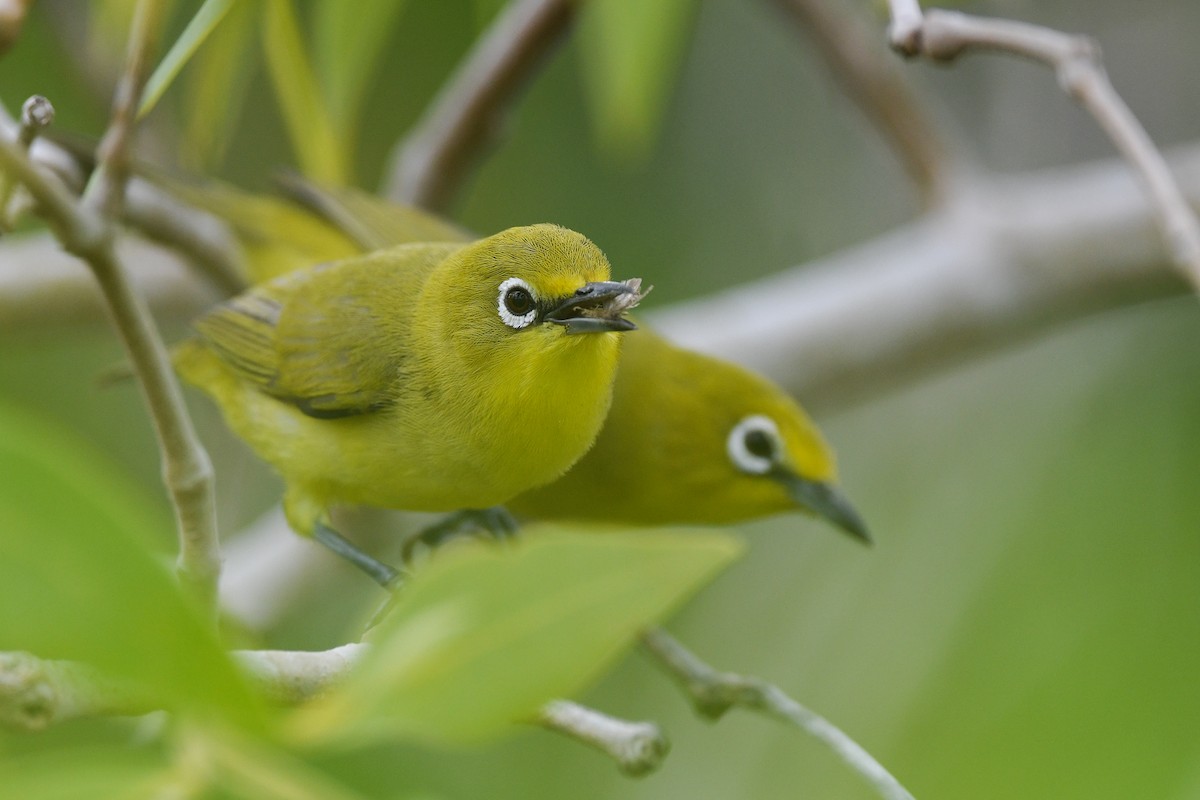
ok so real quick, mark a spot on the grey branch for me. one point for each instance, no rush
(944, 35)
(36, 693)
(638, 747)
(714, 693)
(871, 79)
(105, 193)
(87, 229)
(187, 469)
(1009, 259)
(205, 240)
(432, 161)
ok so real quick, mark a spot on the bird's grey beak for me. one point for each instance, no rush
(826, 501)
(597, 307)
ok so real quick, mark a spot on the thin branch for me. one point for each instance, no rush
(87, 229)
(714, 693)
(202, 238)
(1013, 258)
(187, 469)
(874, 83)
(945, 35)
(638, 747)
(36, 114)
(430, 163)
(59, 292)
(36, 693)
(105, 193)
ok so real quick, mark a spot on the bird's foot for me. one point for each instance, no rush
(495, 523)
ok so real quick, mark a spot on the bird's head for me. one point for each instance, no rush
(701, 440)
(534, 287)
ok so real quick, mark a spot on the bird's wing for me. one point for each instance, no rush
(328, 339)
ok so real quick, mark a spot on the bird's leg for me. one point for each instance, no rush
(386, 576)
(495, 522)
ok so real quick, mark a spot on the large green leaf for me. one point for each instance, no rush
(484, 637)
(112, 773)
(78, 581)
(631, 53)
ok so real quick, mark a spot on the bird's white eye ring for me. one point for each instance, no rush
(517, 303)
(754, 444)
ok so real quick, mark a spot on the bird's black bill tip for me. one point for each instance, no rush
(598, 307)
(825, 500)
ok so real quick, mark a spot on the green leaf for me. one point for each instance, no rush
(349, 41)
(78, 582)
(113, 773)
(216, 92)
(256, 770)
(483, 637)
(631, 52)
(310, 127)
(197, 30)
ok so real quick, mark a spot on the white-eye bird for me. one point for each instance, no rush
(428, 377)
(690, 439)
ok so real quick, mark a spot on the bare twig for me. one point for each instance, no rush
(186, 466)
(1010, 260)
(87, 230)
(431, 162)
(36, 113)
(59, 291)
(1017, 257)
(105, 193)
(945, 35)
(638, 747)
(714, 693)
(36, 693)
(205, 240)
(848, 45)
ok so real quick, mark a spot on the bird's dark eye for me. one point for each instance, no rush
(517, 304)
(518, 301)
(759, 443)
(754, 445)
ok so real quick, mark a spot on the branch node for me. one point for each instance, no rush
(36, 113)
(638, 747)
(26, 698)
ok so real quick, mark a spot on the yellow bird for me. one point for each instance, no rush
(690, 439)
(428, 377)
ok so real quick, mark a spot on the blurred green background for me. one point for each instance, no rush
(1028, 624)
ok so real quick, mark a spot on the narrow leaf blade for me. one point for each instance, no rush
(310, 127)
(198, 29)
(349, 42)
(631, 52)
